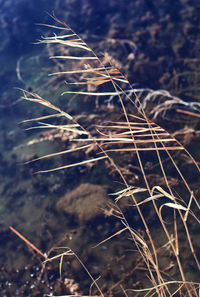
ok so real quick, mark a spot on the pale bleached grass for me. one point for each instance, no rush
(135, 133)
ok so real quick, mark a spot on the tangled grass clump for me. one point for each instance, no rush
(132, 134)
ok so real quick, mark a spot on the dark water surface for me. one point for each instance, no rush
(156, 44)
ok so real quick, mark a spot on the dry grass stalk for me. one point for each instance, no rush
(135, 133)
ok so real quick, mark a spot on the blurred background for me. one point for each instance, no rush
(156, 45)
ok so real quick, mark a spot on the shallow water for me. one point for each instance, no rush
(166, 56)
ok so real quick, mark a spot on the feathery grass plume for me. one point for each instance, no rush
(139, 138)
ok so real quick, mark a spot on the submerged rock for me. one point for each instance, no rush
(85, 202)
